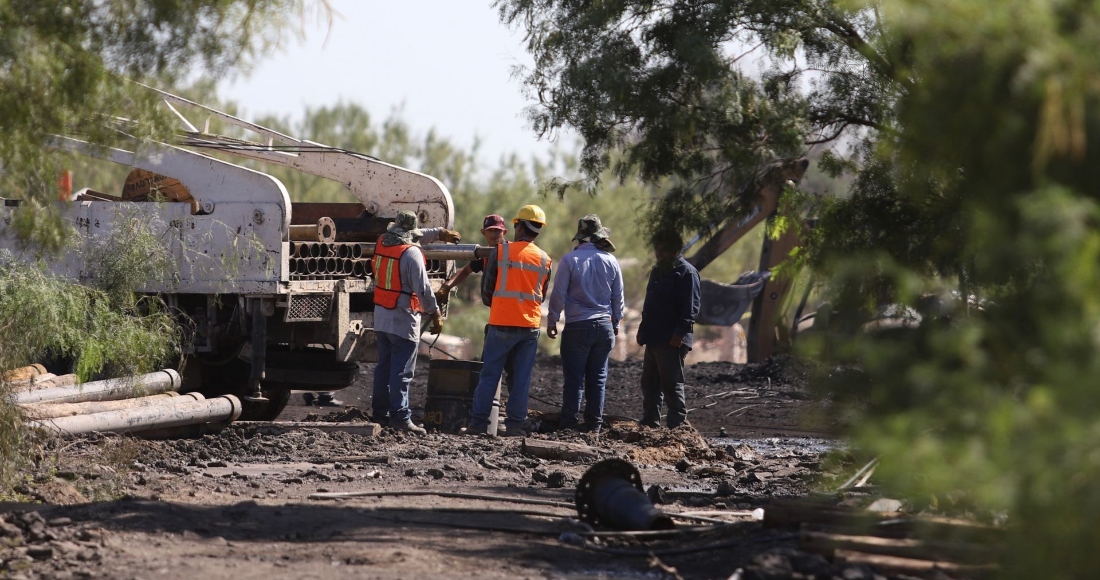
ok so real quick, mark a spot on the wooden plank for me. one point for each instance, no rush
(559, 450)
(827, 543)
(280, 427)
(909, 565)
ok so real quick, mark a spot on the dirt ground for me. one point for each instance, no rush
(237, 504)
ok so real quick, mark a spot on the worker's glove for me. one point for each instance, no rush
(443, 294)
(552, 331)
(437, 323)
(450, 236)
(615, 327)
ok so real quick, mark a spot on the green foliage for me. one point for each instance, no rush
(988, 186)
(669, 84)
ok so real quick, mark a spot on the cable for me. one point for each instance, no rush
(431, 346)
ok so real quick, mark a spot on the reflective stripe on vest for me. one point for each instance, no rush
(387, 277)
(517, 296)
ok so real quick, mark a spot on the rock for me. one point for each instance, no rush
(683, 465)
(539, 476)
(743, 452)
(62, 521)
(18, 563)
(722, 432)
(217, 463)
(40, 552)
(885, 505)
(410, 472)
(435, 473)
(725, 488)
(656, 494)
(10, 530)
(557, 479)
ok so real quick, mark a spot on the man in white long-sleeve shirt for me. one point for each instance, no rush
(589, 287)
(402, 292)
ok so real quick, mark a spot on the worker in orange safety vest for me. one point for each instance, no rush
(513, 286)
(402, 291)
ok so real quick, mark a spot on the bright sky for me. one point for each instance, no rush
(447, 63)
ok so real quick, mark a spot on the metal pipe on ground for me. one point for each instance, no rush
(174, 413)
(314, 250)
(311, 266)
(610, 493)
(23, 373)
(52, 410)
(322, 231)
(48, 381)
(108, 390)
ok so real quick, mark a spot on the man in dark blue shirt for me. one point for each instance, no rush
(668, 319)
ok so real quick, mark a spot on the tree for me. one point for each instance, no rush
(666, 83)
(967, 127)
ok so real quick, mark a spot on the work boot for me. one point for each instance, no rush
(514, 432)
(410, 427)
(329, 401)
(482, 431)
(650, 423)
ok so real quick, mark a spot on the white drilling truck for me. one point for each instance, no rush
(274, 295)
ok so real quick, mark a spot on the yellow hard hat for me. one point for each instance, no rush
(531, 213)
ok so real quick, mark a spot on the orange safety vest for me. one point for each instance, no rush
(522, 269)
(387, 276)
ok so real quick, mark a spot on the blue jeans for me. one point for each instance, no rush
(392, 375)
(585, 348)
(500, 341)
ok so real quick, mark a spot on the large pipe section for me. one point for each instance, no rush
(322, 231)
(175, 413)
(108, 390)
(51, 410)
(610, 493)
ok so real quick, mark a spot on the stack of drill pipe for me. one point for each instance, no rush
(322, 231)
(170, 413)
(353, 259)
(108, 390)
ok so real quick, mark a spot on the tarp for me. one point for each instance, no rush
(725, 304)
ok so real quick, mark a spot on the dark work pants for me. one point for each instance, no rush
(663, 380)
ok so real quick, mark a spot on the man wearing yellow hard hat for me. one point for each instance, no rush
(513, 285)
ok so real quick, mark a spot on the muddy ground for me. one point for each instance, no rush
(237, 504)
